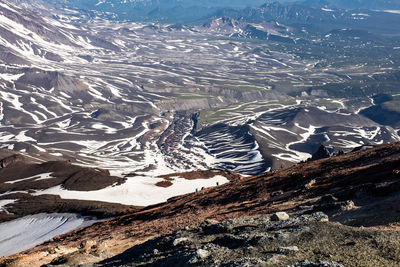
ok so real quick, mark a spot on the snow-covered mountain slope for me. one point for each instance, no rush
(234, 148)
(266, 30)
(31, 187)
(104, 110)
(89, 104)
(35, 38)
(301, 130)
(123, 95)
(286, 134)
(29, 231)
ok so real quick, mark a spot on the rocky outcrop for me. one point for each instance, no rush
(87, 179)
(11, 160)
(261, 241)
(321, 153)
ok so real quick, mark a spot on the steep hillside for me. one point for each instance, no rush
(357, 189)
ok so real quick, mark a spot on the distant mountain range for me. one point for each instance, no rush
(316, 19)
(160, 10)
(314, 15)
(347, 4)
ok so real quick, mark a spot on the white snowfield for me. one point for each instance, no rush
(27, 232)
(42, 176)
(5, 202)
(138, 191)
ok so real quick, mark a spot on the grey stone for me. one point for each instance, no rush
(181, 241)
(347, 205)
(202, 253)
(287, 250)
(280, 216)
(199, 255)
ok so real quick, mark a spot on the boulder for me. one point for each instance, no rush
(202, 253)
(181, 241)
(321, 153)
(287, 250)
(280, 216)
(199, 256)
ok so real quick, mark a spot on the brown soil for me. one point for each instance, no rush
(164, 184)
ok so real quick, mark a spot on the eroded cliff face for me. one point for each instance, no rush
(359, 189)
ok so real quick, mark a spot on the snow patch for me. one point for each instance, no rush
(3, 203)
(37, 177)
(392, 11)
(138, 190)
(27, 232)
(11, 77)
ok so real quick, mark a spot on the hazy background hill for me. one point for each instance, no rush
(356, 4)
(314, 15)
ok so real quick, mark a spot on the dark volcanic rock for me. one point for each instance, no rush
(28, 204)
(321, 153)
(11, 160)
(25, 176)
(255, 241)
(90, 179)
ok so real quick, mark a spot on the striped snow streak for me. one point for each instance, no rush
(234, 148)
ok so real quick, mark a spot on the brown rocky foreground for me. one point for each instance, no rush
(360, 189)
